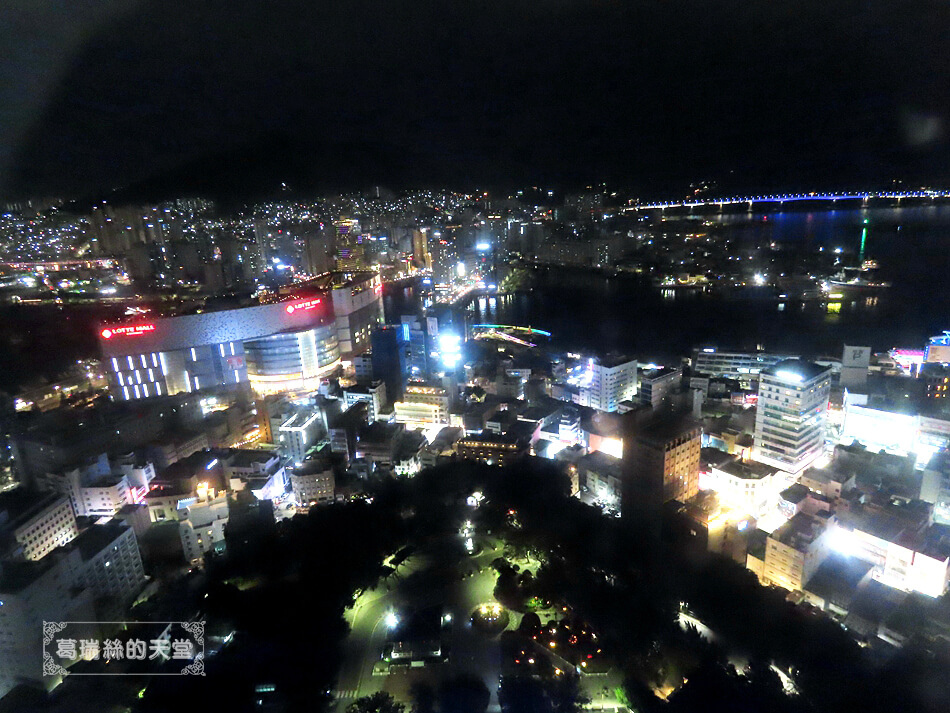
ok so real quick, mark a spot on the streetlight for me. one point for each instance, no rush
(392, 621)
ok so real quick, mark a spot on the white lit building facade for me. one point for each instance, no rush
(792, 414)
(603, 383)
(51, 525)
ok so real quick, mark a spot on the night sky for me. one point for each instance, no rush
(232, 97)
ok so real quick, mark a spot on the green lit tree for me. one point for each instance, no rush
(379, 702)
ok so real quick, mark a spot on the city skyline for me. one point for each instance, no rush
(513, 356)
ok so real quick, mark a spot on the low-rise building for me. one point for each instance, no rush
(657, 385)
(262, 472)
(829, 481)
(345, 427)
(442, 447)
(747, 486)
(935, 486)
(298, 433)
(377, 442)
(896, 537)
(492, 448)
(602, 475)
(201, 528)
(373, 394)
(313, 482)
(423, 404)
(407, 458)
(795, 550)
(102, 486)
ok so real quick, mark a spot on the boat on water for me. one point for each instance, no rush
(865, 277)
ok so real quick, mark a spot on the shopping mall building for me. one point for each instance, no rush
(286, 345)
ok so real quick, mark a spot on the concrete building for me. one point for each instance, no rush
(423, 404)
(602, 475)
(57, 440)
(111, 565)
(792, 414)
(93, 578)
(51, 523)
(656, 386)
(491, 448)
(201, 528)
(603, 384)
(262, 472)
(795, 551)
(100, 488)
(374, 394)
(313, 482)
(442, 448)
(896, 538)
(829, 481)
(407, 453)
(362, 367)
(747, 486)
(937, 349)
(855, 364)
(34, 592)
(935, 486)
(358, 307)
(661, 460)
(742, 366)
(344, 428)
(936, 377)
(298, 433)
(376, 443)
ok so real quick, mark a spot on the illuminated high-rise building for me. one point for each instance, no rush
(792, 414)
(420, 249)
(390, 358)
(604, 383)
(349, 245)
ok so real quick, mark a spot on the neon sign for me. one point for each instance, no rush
(306, 304)
(133, 331)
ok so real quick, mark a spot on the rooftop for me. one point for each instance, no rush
(93, 540)
(666, 371)
(837, 578)
(490, 439)
(795, 493)
(828, 474)
(662, 429)
(612, 361)
(446, 437)
(799, 532)
(601, 462)
(240, 458)
(748, 470)
(796, 370)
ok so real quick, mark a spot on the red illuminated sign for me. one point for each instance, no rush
(135, 331)
(306, 304)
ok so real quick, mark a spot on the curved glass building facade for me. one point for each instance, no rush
(291, 361)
